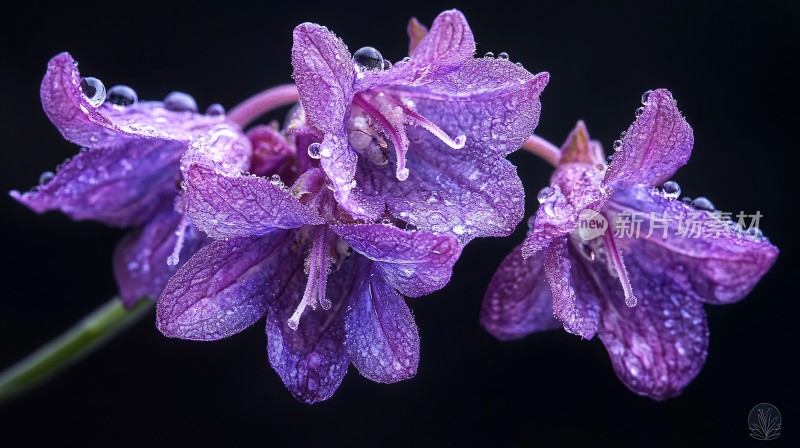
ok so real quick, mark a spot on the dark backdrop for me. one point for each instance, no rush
(729, 64)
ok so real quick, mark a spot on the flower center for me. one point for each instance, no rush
(317, 267)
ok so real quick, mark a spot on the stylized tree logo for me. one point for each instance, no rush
(764, 422)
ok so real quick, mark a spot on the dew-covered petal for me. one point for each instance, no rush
(272, 153)
(574, 187)
(448, 44)
(120, 186)
(660, 345)
(311, 360)
(692, 248)
(518, 301)
(448, 191)
(414, 262)
(493, 103)
(221, 147)
(226, 286)
(140, 259)
(575, 304)
(324, 72)
(382, 338)
(230, 206)
(339, 161)
(654, 147)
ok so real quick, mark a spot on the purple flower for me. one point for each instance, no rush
(440, 121)
(128, 171)
(331, 288)
(642, 294)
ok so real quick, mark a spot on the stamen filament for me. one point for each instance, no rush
(180, 232)
(429, 126)
(542, 148)
(615, 258)
(250, 109)
(400, 141)
(318, 262)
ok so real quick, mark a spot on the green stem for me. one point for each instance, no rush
(91, 333)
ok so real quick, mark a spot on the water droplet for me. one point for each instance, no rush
(646, 96)
(502, 55)
(599, 167)
(215, 110)
(387, 64)
(639, 112)
(703, 203)
(46, 177)
(623, 134)
(180, 102)
(543, 194)
(687, 200)
(671, 189)
(617, 145)
(458, 229)
(488, 55)
(314, 151)
(122, 95)
(368, 58)
(94, 90)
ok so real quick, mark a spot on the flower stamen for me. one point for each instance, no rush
(615, 259)
(317, 267)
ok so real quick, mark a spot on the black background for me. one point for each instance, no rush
(729, 64)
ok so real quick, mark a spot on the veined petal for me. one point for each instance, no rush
(518, 301)
(140, 259)
(124, 185)
(227, 206)
(448, 44)
(574, 304)
(339, 161)
(654, 147)
(692, 248)
(415, 263)
(324, 73)
(311, 360)
(382, 338)
(226, 286)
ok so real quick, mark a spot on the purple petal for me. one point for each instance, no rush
(415, 263)
(711, 263)
(313, 359)
(416, 32)
(574, 304)
(340, 166)
(660, 345)
(580, 148)
(235, 206)
(122, 186)
(574, 187)
(225, 287)
(272, 153)
(382, 338)
(654, 147)
(518, 301)
(324, 73)
(448, 191)
(448, 44)
(140, 259)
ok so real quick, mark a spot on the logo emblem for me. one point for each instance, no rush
(764, 422)
(591, 224)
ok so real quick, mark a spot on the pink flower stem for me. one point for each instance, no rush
(266, 101)
(542, 148)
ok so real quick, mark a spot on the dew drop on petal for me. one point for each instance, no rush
(122, 96)
(387, 64)
(94, 90)
(215, 110)
(368, 58)
(671, 189)
(543, 194)
(46, 177)
(703, 203)
(687, 200)
(180, 102)
(314, 151)
(639, 112)
(646, 96)
(502, 55)
(488, 55)
(617, 145)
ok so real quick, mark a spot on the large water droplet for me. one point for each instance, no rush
(46, 177)
(387, 64)
(314, 151)
(122, 96)
(703, 203)
(180, 102)
(489, 55)
(543, 194)
(94, 90)
(617, 145)
(215, 110)
(671, 189)
(502, 55)
(639, 112)
(646, 96)
(368, 58)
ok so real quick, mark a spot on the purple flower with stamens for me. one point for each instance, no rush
(331, 288)
(425, 137)
(129, 169)
(640, 292)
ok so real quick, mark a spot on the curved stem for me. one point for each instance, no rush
(91, 333)
(542, 148)
(264, 102)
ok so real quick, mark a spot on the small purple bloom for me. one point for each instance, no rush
(440, 122)
(128, 171)
(330, 286)
(642, 294)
